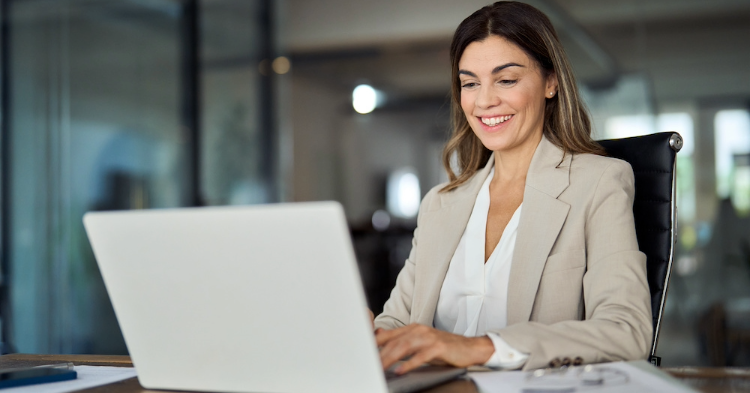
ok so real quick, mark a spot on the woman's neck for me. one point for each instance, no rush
(513, 165)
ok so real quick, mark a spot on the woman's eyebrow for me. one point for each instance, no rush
(504, 66)
(494, 70)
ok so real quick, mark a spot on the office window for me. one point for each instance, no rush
(91, 128)
(732, 140)
(102, 100)
(237, 139)
(630, 125)
(631, 95)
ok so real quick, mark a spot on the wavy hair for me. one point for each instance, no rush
(566, 120)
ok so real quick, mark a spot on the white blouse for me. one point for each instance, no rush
(474, 296)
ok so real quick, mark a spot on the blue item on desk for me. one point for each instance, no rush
(35, 375)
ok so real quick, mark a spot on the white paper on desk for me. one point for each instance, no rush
(638, 381)
(88, 377)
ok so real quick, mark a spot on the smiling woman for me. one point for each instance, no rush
(527, 257)
(504, 105)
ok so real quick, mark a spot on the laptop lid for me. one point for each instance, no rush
(239, 299)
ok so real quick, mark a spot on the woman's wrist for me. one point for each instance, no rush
(483, 349)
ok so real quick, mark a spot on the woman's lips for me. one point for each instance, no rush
(494, 122)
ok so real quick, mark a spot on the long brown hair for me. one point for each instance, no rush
(566, 121)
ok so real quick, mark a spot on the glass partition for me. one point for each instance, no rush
(100, 110)
(237, 139)
(94, 125)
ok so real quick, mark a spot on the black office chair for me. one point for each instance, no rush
(653, 160)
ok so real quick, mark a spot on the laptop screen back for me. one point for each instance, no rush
(239, 299)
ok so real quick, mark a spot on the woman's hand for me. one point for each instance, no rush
(425, 344)
(372, 318)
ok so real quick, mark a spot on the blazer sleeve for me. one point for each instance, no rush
(616, 295)
(397, 310)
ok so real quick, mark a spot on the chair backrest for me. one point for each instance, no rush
(653, 160)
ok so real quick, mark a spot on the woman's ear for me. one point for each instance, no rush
(551, 85)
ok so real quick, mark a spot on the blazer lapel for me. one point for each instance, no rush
(446, 223)
(542, 218)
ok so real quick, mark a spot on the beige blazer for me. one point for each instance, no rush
(577, 282)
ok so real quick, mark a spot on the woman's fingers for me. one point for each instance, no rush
(407, 341)
(383, 336)
(397, 349)
(423, 356)
(428, 345)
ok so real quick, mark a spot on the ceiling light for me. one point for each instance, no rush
(364, 99)
(281, 65)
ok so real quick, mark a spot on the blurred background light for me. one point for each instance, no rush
(403, 193)
(381, 220)
(364, 99)
(281, 65)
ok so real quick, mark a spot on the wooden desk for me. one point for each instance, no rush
(713, 379)
(704, 379)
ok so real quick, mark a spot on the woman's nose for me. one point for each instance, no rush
(487, 97)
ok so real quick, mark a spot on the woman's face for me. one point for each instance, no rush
(503, 94)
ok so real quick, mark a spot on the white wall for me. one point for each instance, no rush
(326, 24)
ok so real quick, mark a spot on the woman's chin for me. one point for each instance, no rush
(505, 144)
(496, 143)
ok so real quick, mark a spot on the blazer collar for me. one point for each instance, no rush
(542, 218)
(548, 173)
(547, 178)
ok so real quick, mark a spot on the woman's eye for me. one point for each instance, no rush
(468, 85)
(507, 82)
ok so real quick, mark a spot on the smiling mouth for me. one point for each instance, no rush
(493, 121)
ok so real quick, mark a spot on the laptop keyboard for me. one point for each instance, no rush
(420, 378)
(390, 375)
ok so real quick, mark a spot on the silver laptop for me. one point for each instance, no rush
(243, 299)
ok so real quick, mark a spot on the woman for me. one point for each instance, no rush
(527, 257)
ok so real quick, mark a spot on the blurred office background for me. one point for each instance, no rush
(130, 104)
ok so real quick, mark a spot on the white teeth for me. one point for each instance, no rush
(493, 121)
